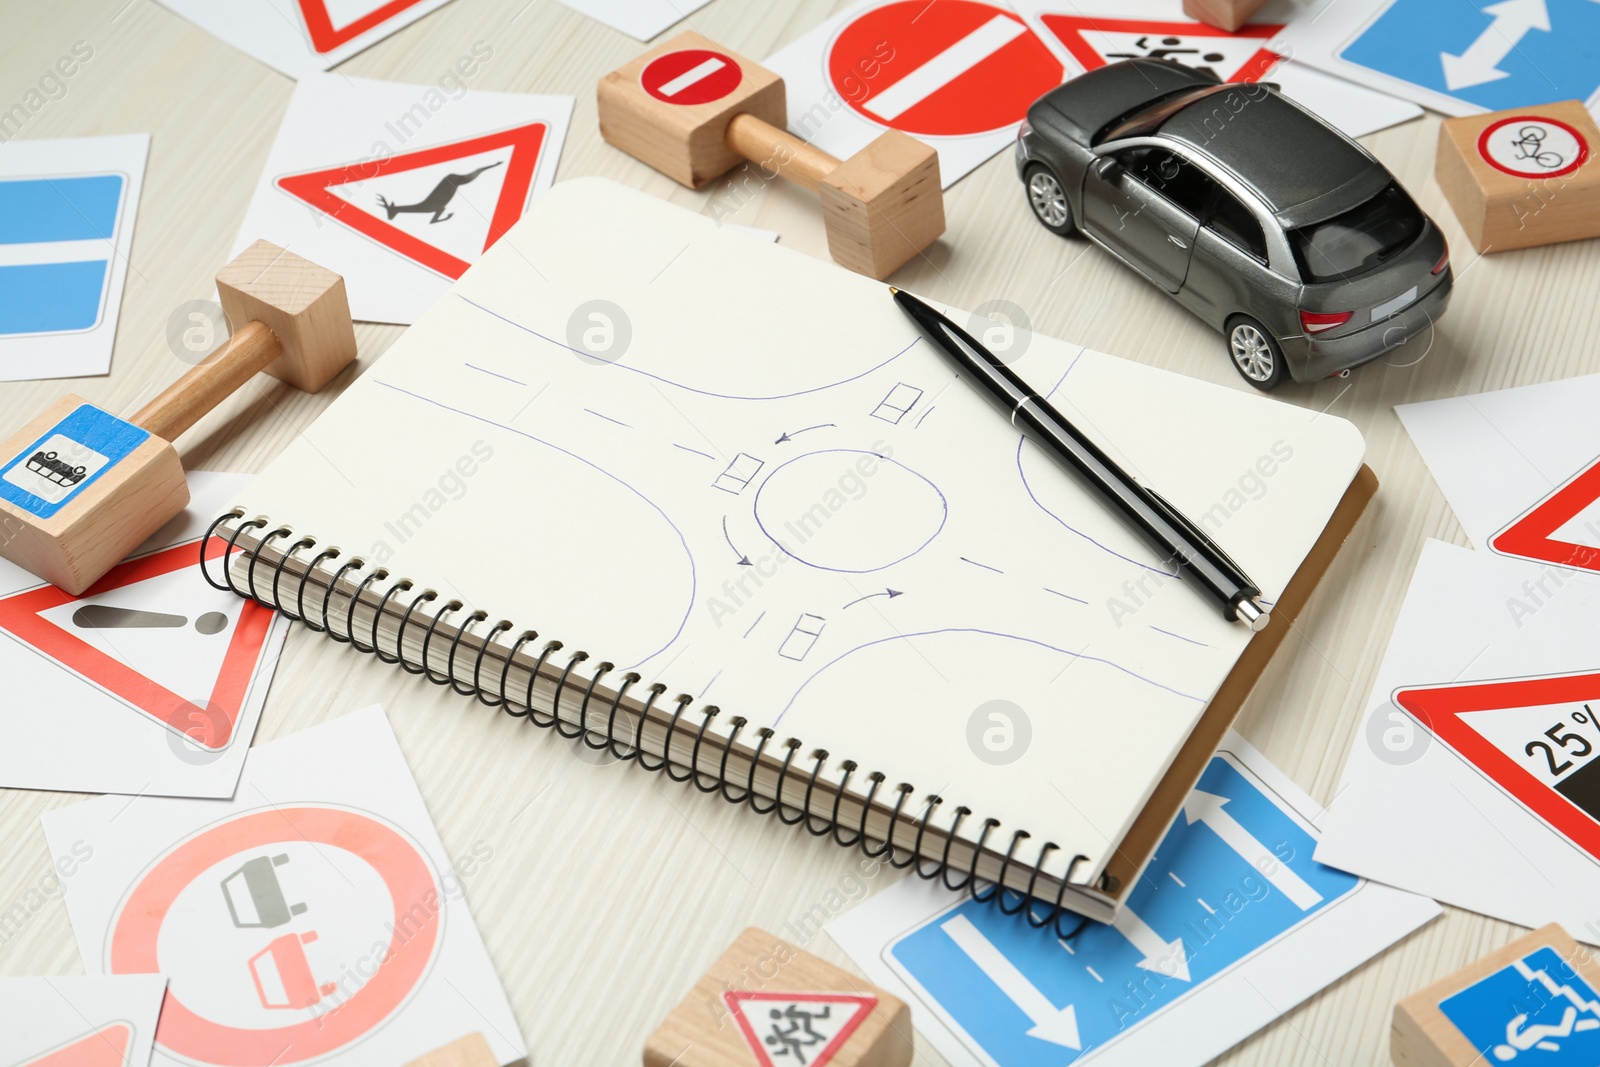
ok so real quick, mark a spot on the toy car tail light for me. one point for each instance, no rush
(1323, 321)
(1444, 261)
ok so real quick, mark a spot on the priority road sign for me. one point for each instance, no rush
(952, 69)
(367, 195)
(691, 76)
(1538, 739)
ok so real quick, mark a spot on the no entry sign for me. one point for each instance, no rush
(951, 69)
(691, 76)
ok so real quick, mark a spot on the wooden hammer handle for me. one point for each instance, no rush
(767, 146)
(183, 403)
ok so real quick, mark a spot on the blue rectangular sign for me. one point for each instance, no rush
(1538, 1004)
(70, 456)
(1233, 873)
(57, 236)
(1490, 53)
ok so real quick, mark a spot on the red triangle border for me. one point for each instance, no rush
(736, 998)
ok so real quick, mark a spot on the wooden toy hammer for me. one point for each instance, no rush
(694, 111)
(81, 488)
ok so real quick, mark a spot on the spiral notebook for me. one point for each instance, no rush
(713, 502)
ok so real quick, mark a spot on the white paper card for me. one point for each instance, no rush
(399, 188)
(301, 37)
(1520, 467)
(1460, 57)
(67, 211)
(1448, 790)
(640, 19)
(957, 76)
(315, 916)
(1232, 924)
(152, 681)
(78, 1021)
(1087, 37)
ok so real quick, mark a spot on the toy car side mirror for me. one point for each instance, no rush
(1104, 167)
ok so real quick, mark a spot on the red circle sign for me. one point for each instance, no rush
(1532, 146)
(409, 878)
(950, 69)
(692, 76)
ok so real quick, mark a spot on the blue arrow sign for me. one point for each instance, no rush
(1492, 53)
(1234, 873)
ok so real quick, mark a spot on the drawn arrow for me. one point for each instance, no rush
(1480, 63)
(1206, 808)
(890, 593)
(794, 433)
(1166, 958)
(744, 560)
(1059, 1026)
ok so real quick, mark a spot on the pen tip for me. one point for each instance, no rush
(893, 291)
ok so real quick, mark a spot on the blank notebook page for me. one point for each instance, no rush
(770, 493)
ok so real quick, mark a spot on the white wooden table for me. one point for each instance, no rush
(609, 889)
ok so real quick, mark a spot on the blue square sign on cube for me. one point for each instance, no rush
(57, 238)
(1490, 54)
(1538, 1007)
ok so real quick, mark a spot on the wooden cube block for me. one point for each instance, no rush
(765, 1003)
(883, 205)
(1224, 14)
(1539, 996)
(303, 304)
(80, 489)
(1522, 177)
(670, 107)
(469, 1051)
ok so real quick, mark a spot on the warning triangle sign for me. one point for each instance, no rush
(439, 207)
(355, 17)
(797, 1028)
(155, 635)
(1563, 528)
(1240, 56)
(1538, 739)
(106, 1047)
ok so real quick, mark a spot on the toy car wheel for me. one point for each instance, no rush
(1048, 198)
(1255, 353)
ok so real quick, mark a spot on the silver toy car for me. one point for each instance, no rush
(1254, 214)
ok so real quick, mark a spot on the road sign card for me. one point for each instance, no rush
(79, 1022)
(1087, 37)
(959, 74)
(314, 917)
(302, 37)
(66, 227)
(150, 681)
(1232, 896)
(1520, 468)
(1460, 57)
(400, 188)
(1472, 777)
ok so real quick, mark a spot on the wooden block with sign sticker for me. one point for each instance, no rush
(1537, 1000)
(469, 1051)
(694, 110)
(765, 1003)
(80, 488)
(1224, 14)
(1522, 177)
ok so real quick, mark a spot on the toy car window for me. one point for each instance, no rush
(1234, 222)
(1359, 239)
(1172, 176)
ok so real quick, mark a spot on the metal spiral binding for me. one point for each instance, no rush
(1067, 924)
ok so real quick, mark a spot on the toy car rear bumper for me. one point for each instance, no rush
(1311, 358)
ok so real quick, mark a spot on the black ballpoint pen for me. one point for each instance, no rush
(1178, 540)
